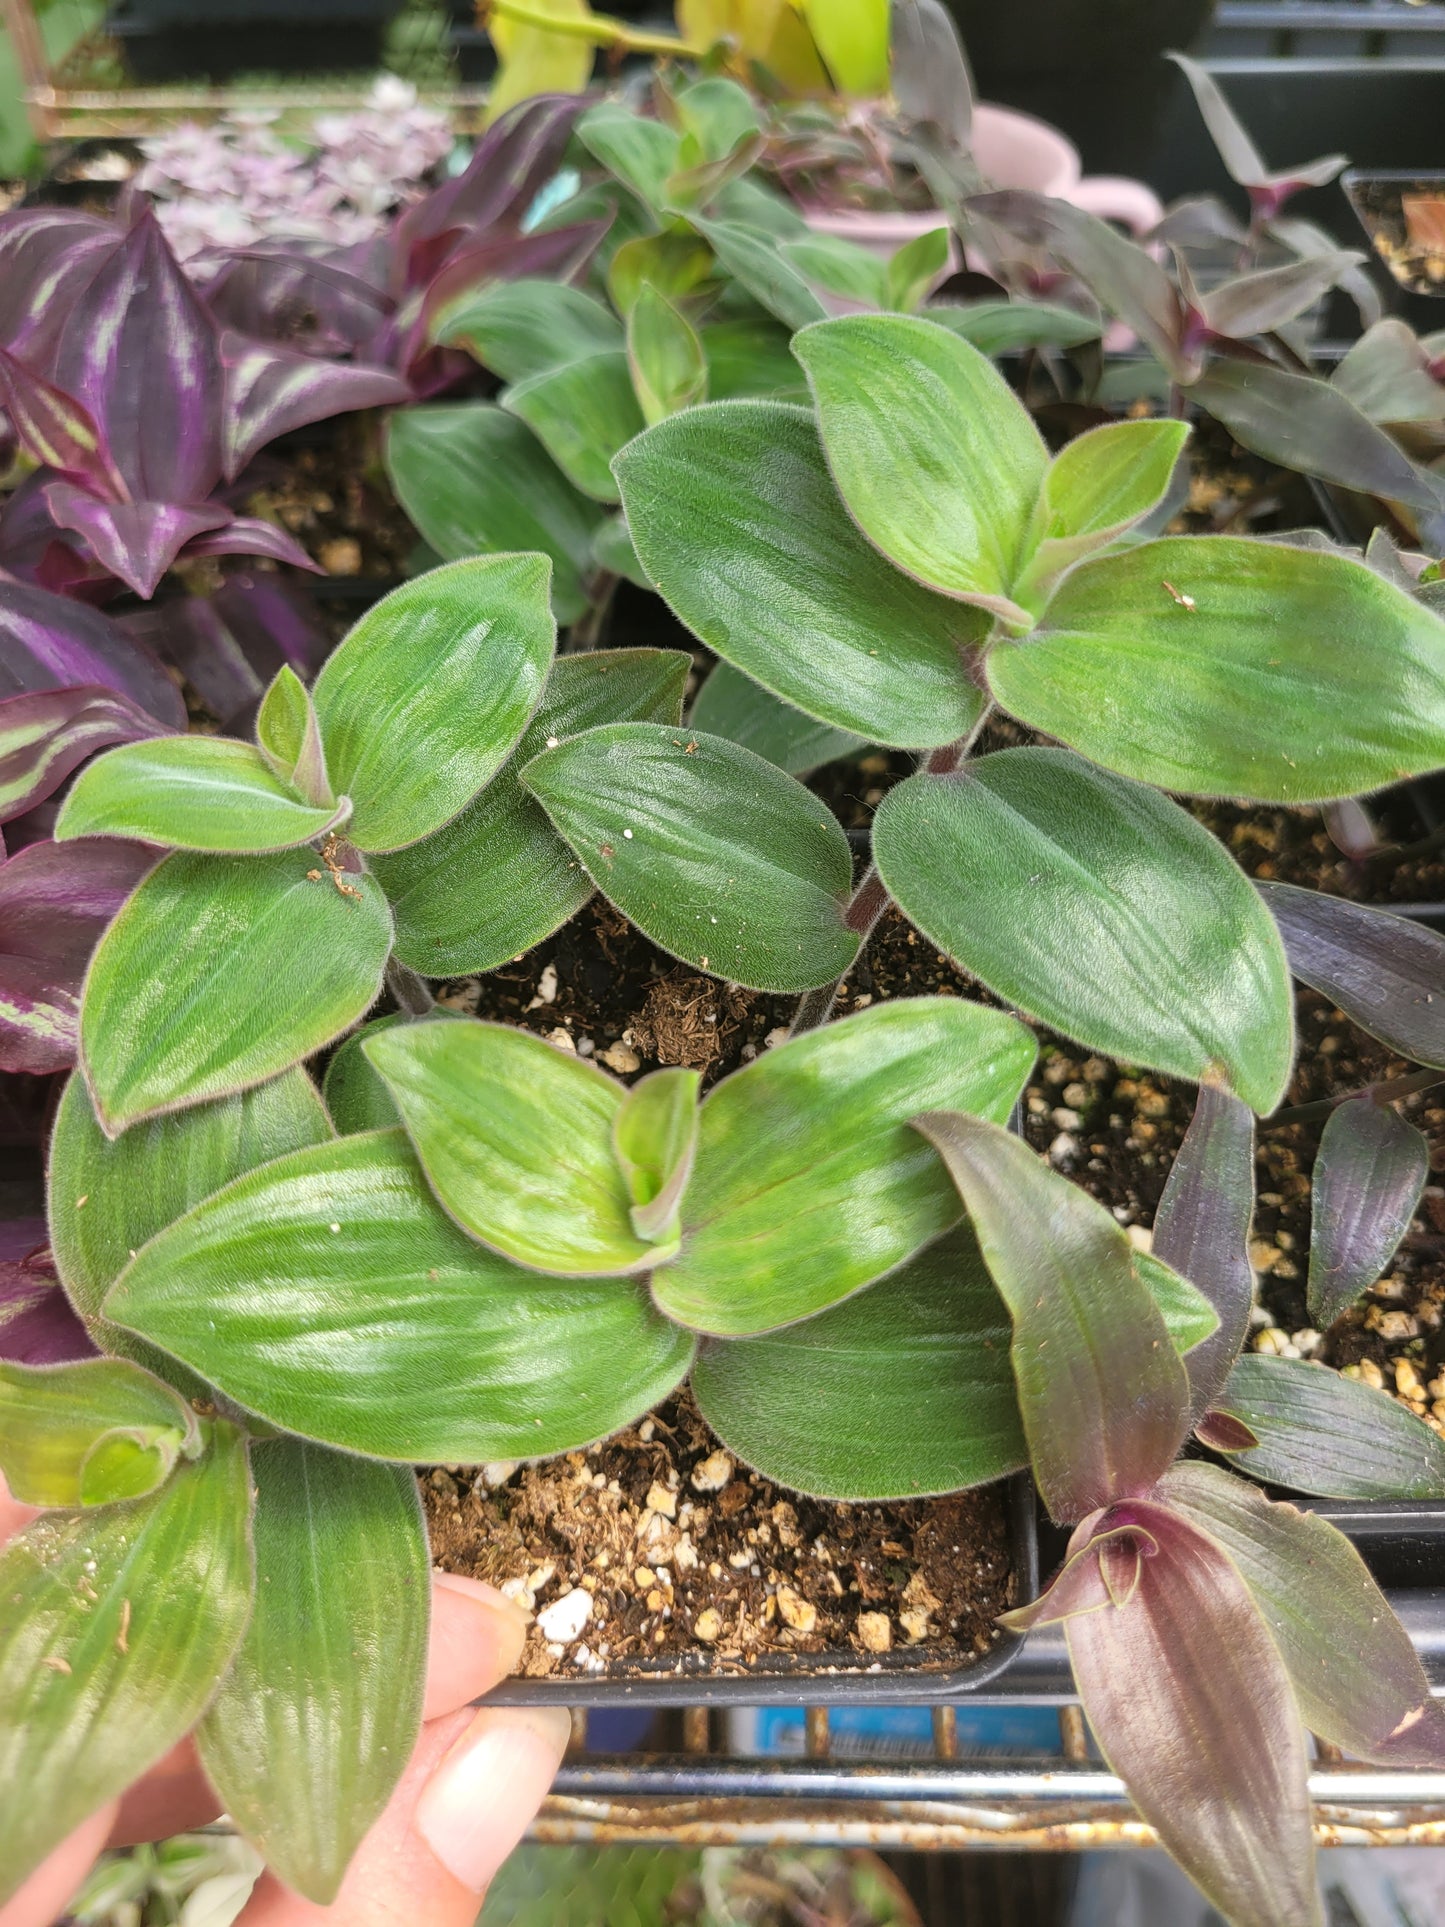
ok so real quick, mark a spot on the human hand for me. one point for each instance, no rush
(475, 1780)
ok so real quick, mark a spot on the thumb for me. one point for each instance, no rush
(473, 1785)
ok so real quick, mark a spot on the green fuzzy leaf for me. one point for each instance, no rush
(581, 413)
(1098, 487)
(1099, 907)
(429, 694)
(181, 999)
(1187, 1313)
(89, 1433)
(522, 328)
(751, 357)
(840, 268)
(117, 1627)
(1332, 1436)
(498, 878)
(476, 481)
(396, 1335)
(809, 1183)
(639, 153)
(1296, 676)
(674, 262)
(516, 1138)
(192, 793)
(669, 369)
(355, 1093)
(937, 459)
(913, 270)
(756, 261)
(713, 853)
(1103, 1393)
(613, 551)
(319, 1713)
(905, 1389)
(731, 704)
(736, 519)
(1007, 327)
(654, 1139)
(288, 736)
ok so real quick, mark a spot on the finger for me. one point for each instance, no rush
(174, 1797)
(55, 1881)
(476, 1640)
(14, 1517)
(475, 1781)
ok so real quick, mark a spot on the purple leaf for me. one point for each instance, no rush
(1332, 1436)
(249, 535)
(1102, 1391)
(271, 619)
(271, 390)
(1123, 277)
(293, 298)
(1368, 1176)
(1201, 1230)
(230, 645)
(47, 733)
(1242, 160)
(32, 547)
(1388, 375)
(48, 256)
(1385, 972)
(140, 351)
(1255, 304)
(52, 642)
(56, 430)
(56, 900)
(1356, 1677)
(1309, 426)
(38, 1325)
(555, 255)
(138, 541)
(1190, 1702)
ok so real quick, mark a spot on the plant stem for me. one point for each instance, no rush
(409, 990)
(599, 28)
(1381, 1093)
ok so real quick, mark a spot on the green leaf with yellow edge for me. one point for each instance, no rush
(429, 694)
(522, 328)
(118, 1625)
(1097, 488)
(669, 369)
(516, 1139)
(654, 1137)
(937, 459)
(396, 1335)
(289, 738)
(89, 1433)
(193, 793)
(809, 1182)
(317, 1717)
(736, 519)
(715, 854)
(581, 413)
(1098, 906)
(674, 263)
(447, 924)
(532, 61)
(181, 1000)
(907, 1387)
(1224, 667)
(475, 481)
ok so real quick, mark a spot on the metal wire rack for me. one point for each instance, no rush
(705, 1797)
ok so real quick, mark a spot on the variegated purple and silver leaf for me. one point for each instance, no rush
(249, 535)
(137, 541)
(1201, 1230)
(140, 351)
(57, 431)
(556, 254)
(38, 1325)
(271, 390)
(1369, 1172)
(229, 645)
(48, 256)
(53, 642)
(1357, 1679)
(47, 733)
(1385, 972)
(56, 900)
(287, 296)
(35, 549)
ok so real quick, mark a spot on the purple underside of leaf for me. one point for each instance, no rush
(51, 642)
(249, 535)
(271, 390)
(55, 902)
(138, 541)
(48, 255)
(1201, 1230)
(37, 1323)
(141, 352)
(556, 255)
(1191, 1705)
(49, 732)
(1368, 1176)
(57, 430)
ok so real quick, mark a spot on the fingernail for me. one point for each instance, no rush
(480, 1800)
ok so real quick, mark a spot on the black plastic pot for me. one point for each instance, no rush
(172, 39)
(811, 1679)
(1328, 29)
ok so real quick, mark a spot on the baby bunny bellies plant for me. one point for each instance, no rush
(507, 1253)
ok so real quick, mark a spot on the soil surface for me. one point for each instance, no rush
(656, 1551)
